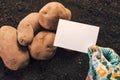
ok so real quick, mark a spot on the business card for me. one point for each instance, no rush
(75, 36)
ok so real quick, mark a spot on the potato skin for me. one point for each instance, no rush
(13, 57)
(50, 14)
(27, 27)
(25, 34)
(68, 14)
(42, 46)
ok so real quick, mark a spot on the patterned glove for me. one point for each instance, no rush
(104, 64)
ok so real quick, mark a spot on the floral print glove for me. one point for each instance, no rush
(104, 64)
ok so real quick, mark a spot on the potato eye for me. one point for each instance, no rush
(49, 46)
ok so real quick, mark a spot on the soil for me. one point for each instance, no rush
(65, 65)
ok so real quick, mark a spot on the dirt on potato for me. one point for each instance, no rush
(65, 65)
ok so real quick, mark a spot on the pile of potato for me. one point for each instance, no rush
(17, 45)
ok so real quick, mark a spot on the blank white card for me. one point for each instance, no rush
(75, 36)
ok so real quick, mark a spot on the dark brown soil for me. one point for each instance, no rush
(65, 65)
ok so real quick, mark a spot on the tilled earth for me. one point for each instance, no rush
(65, 65)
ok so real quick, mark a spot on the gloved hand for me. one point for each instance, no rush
(104, 64)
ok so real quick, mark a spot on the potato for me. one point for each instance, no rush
(27, 27)
(42, 46)
(51, 13)
(13, 57)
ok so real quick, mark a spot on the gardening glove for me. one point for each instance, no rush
(104, 64)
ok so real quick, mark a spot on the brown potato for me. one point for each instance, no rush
(42, 46)
(27, 27)
(13, 57)
(51, 13)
